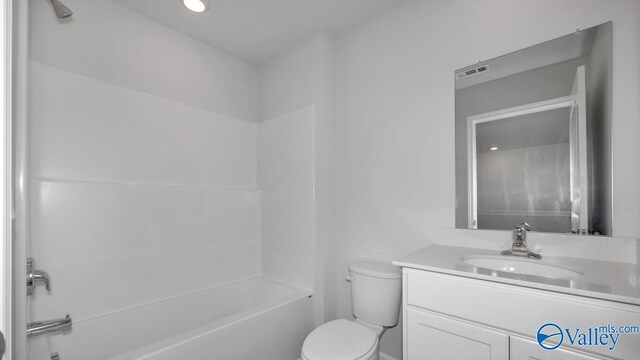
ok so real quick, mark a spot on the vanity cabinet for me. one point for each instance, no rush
(449, 317)
(430, 336)
(523, 349)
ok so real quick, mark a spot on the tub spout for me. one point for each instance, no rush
(43, 276)
(34, 276)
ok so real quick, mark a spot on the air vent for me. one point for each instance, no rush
(472, 72)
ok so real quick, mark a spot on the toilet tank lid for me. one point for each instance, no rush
(376, 269)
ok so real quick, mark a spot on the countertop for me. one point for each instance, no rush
(607, 280)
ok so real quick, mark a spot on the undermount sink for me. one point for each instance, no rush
(524, 266)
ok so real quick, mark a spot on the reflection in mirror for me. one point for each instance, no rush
(533, 137)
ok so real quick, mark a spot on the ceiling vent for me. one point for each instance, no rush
(472, 72)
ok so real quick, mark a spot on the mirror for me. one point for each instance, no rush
(533, 137)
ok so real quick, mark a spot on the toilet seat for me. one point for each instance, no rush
(340, 340)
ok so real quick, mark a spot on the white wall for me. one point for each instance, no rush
(143, 165)
(89, 130)
(286, 178)
(395, 112)
(111, 43)
(296, 79)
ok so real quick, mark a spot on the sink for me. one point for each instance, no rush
(524, 266)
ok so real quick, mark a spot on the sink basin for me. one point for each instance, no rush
(524, 266)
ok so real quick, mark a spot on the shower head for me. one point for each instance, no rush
(60, 9)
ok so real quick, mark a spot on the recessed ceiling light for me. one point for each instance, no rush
(494, 148)
(196, 5)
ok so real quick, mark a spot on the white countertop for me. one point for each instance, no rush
(607, 280)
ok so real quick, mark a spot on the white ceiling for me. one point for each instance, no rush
(256, 30)
(544, 128)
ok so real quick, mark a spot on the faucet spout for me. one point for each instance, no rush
(42, 276)
(35, 276)
(519, 245)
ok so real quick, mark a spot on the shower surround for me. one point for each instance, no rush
(159, 205)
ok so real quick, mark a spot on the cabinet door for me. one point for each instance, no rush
(522, 349)
(433, 337)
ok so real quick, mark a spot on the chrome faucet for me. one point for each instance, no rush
(519, 246)
(34, 276)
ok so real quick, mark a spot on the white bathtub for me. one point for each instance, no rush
(250, 319)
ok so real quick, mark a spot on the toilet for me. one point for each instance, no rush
(375, 293)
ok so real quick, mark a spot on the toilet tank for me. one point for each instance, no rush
(376, 290)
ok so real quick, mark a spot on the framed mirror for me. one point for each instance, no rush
(533, 137)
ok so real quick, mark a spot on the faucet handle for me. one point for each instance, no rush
(519, 246)
(519, 234)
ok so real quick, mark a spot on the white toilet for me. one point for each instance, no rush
(375, 293)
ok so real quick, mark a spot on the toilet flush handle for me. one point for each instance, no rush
(349, 278)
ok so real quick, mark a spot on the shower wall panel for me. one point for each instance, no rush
(135, 198)
(142, 165)
(85, 129)
(287, 197)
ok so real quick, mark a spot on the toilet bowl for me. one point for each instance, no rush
(341, 340)
(375, 293)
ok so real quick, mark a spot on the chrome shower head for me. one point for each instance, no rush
(60, 9)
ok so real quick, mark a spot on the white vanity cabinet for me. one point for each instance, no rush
(430, 336)
(524, 349)
(449, 317)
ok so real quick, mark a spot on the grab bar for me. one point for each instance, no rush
(45, 327)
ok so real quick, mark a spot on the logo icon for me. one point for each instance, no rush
(550, 336)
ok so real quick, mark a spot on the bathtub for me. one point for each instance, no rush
(250, 319)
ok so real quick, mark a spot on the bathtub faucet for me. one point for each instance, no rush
(35, 276)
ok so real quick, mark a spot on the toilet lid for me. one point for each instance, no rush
(339, 340)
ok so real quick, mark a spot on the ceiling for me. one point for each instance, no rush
(256, 30)
(543, 128)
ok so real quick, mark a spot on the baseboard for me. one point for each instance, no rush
(384, 356)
